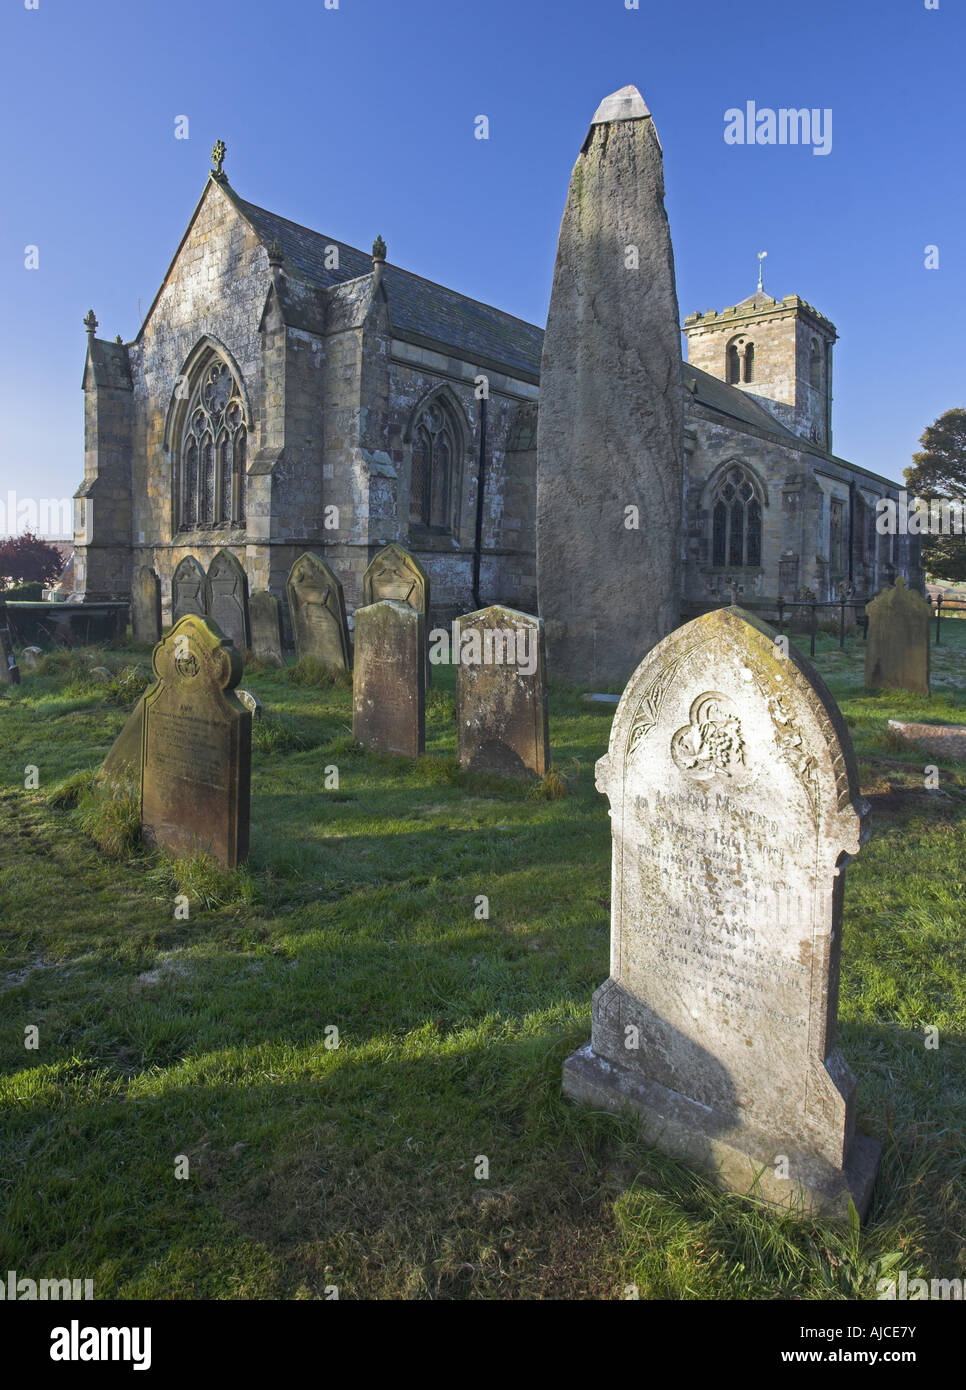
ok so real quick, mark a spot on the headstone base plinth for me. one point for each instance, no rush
(737, 1158)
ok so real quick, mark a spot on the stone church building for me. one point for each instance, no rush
(287, 392)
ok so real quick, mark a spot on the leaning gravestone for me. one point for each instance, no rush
(395, 574)
(197, 746)
(146, 606)
(189, 590)
(228, 598)
(388, 683)
(897, 646)
(735, 807)
(266, 627)
(501, 693)
(9, 670)
(317, 609)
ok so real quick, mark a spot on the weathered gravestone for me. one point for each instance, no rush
(388, 683)
(197, 745)
(395, 574)
(189, 590)
(610, 436)
(31, 657)
(735, 807)
(897, 647)
(501, 693)
(146, 605)
(228, 598)
(317, 610)
(266, 627)
(9, 670)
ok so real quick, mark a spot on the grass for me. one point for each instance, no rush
(185, 1012)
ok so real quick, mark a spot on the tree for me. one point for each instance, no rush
(938, 474)
(27, 559)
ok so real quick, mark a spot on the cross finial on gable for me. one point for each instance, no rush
(378, 249)
(90, 322)
(218, 151)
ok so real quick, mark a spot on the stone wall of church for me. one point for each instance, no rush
(216, 287)
(805, 519)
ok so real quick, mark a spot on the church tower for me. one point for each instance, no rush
(779, 351)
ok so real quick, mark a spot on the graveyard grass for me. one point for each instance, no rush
(313, 1167)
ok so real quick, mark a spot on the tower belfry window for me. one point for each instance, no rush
(749, 373)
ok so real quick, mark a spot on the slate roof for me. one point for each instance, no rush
(728, 400)
(421, 310)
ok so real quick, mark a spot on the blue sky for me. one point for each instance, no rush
(360, 120)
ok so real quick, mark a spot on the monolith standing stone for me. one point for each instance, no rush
(146, 606)
(735, 807)
(897, 646)
(197, 746)
(266, 627)
(610, 428)
(388, 679)
(501, 693)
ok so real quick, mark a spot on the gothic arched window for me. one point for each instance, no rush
(434, 458)
(213, 450)
(736, 521)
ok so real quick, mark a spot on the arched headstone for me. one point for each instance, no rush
(396, 575)
(228, 598)
(735, 808)
(897, 645)
(317, 609)
(189, 590)
(197, 746)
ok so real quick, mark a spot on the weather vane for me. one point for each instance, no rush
(761, 267)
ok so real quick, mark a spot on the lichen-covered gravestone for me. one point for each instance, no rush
(146, 605)
(317, 609)
(388, 683)
(734, 810)
(501, 693)
(196, 746)
(189, 590)
(395, 574)
(266, 627)
(897, 646)
(228, 598)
